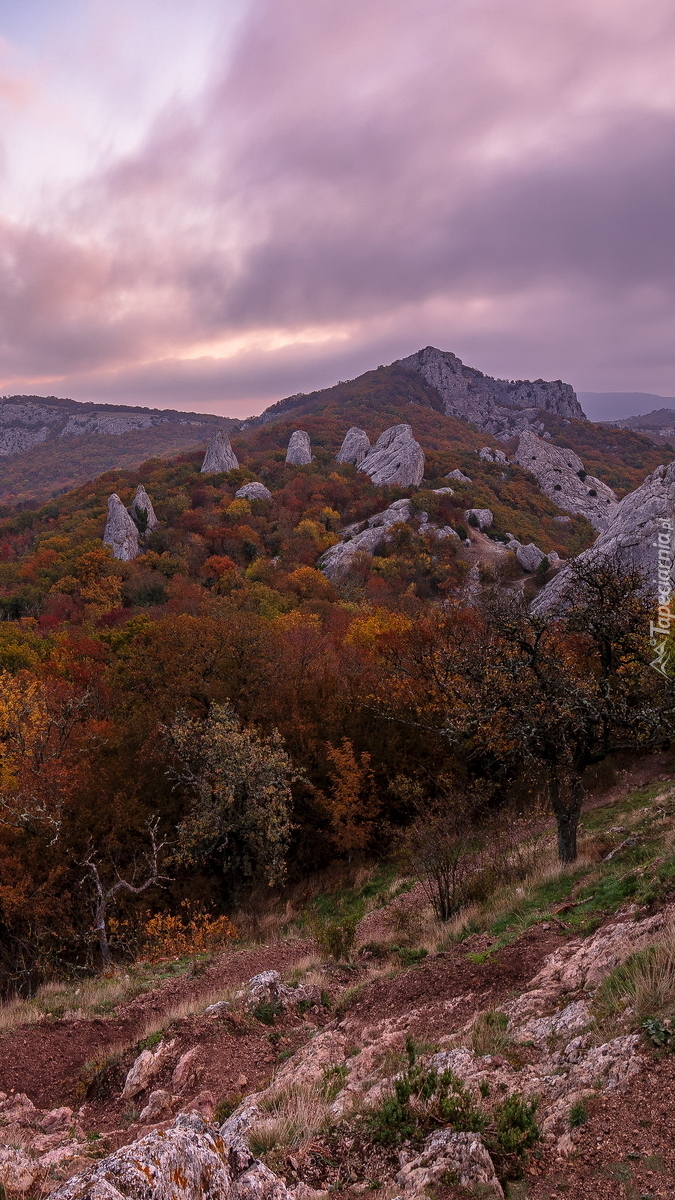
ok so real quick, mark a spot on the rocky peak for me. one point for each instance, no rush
(497, 406)
(561, 476)
(219, 455)
(121, 534)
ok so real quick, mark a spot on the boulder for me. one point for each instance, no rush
(443, 491)
(396, 458)
(299, 452)
(483, 516)
(142, 503)
(57, 1119)
(18, 1172)
(640, 537)
(120, 533)
(185, 1069)
(363, 539)
(254, 491)
(159, 1103)
(355, 447)
(219, 455)
(529, 556)
(144, 1069)
(458, 475)
(561, 476)
(462, 1155)
(494, 456)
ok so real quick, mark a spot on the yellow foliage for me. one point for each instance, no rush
(238, 509)
(195, 931)
(367, 631)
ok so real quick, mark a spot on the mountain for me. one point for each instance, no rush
(50, 444)
(619, 406)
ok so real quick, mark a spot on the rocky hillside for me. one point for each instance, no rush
(520, 1049)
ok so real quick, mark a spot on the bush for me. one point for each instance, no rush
(336, 936)
(513, 1135)
(194, 931)
(422, 1099)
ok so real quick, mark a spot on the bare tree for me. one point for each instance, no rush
(104, 896)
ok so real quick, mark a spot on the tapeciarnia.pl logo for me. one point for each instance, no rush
(659, 630)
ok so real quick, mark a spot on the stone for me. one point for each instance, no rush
(459, 476)
(529, 557)
(355, 447)
(159, 1102)
(299, 452)
(640, 519)
(142, 503)
(144, 1069)
(57, 1119)
(443, 491)
(18, 1109)
(494, 456)
(447, 1153)
(497, 406)
(254, 491)
(204, 1104)
(61, 1154)
(396, 458)
(17, 1171)
(185, 1069)
(120, 532)
(363, 538)
(219, 455)
(483, 516)
(560, 475)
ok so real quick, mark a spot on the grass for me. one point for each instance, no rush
(295, 1115)
(489, 1033)
(644, 983)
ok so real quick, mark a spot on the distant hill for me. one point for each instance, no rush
(50, 444)
(622, 406)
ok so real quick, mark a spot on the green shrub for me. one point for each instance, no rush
(421, 1100)
(267, 1011)
(513, 1135)
(578, 1114)
(337, 936)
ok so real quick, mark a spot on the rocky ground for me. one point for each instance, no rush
(271, 1074)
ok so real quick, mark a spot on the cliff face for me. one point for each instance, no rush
(497, 406)
(561, 476)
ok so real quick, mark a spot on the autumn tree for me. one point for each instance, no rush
(351, 803)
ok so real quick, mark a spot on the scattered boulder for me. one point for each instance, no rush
(185, 1070)
(494, 456)
(299, 452)
(459, 476)
(159, 1103)
(121, 534)
(142, 503)
(204, 1105)
(462, 1155)
(57, 1119)
(443, 491)
(482, 517)
(144, 1069)
(254, 491)
(355, 447)
(561, 476)
(219, 455)
(529, 557)
(396, 458)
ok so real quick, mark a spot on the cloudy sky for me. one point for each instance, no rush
(213, 204)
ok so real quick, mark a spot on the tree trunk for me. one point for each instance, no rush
(102, 933)
(566, 800)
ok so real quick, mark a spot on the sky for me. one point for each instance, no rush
(213, 205)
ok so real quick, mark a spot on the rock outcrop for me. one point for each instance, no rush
(142, 503)
(299, 452)
(561, 476)
(363, 538)
(121, 533)
(355, 447)
(480, 518)
(219, 455)
(487, 454)
(254, 491)
(640, 537)
(144, 1068)
(459, 476)
(461, 1156)
(396, 458)
(529, 557)
(497, 406)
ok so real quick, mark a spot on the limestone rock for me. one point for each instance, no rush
(396, 458)
(17, 1171)
(458, 475)
(219, 455)
(529, 556)
(443, 491)
(142, 503)
(640, 519)
(559, 473)
(363, 539)
(57, 1119)
(185, 1069)
(204, 1104)
(299, 452)
(254, 491)
(120, 533)
(483, 516)
(494, 456)
(355, 447)
(444, 1152)
(497, 406)
(159, 1103)
(144, 1069)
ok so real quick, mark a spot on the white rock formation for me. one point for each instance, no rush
(483, 516)
(254, 491)
(142, 503)
(144, 1069)
(396, 458)
(633, 538)
(120, 532)
(494, 456)
(355, 447)
(459, 476)
(363, 539)
(219, 455)
(529, 556)
(559, 474)
(454, 1154)
(299, 452)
